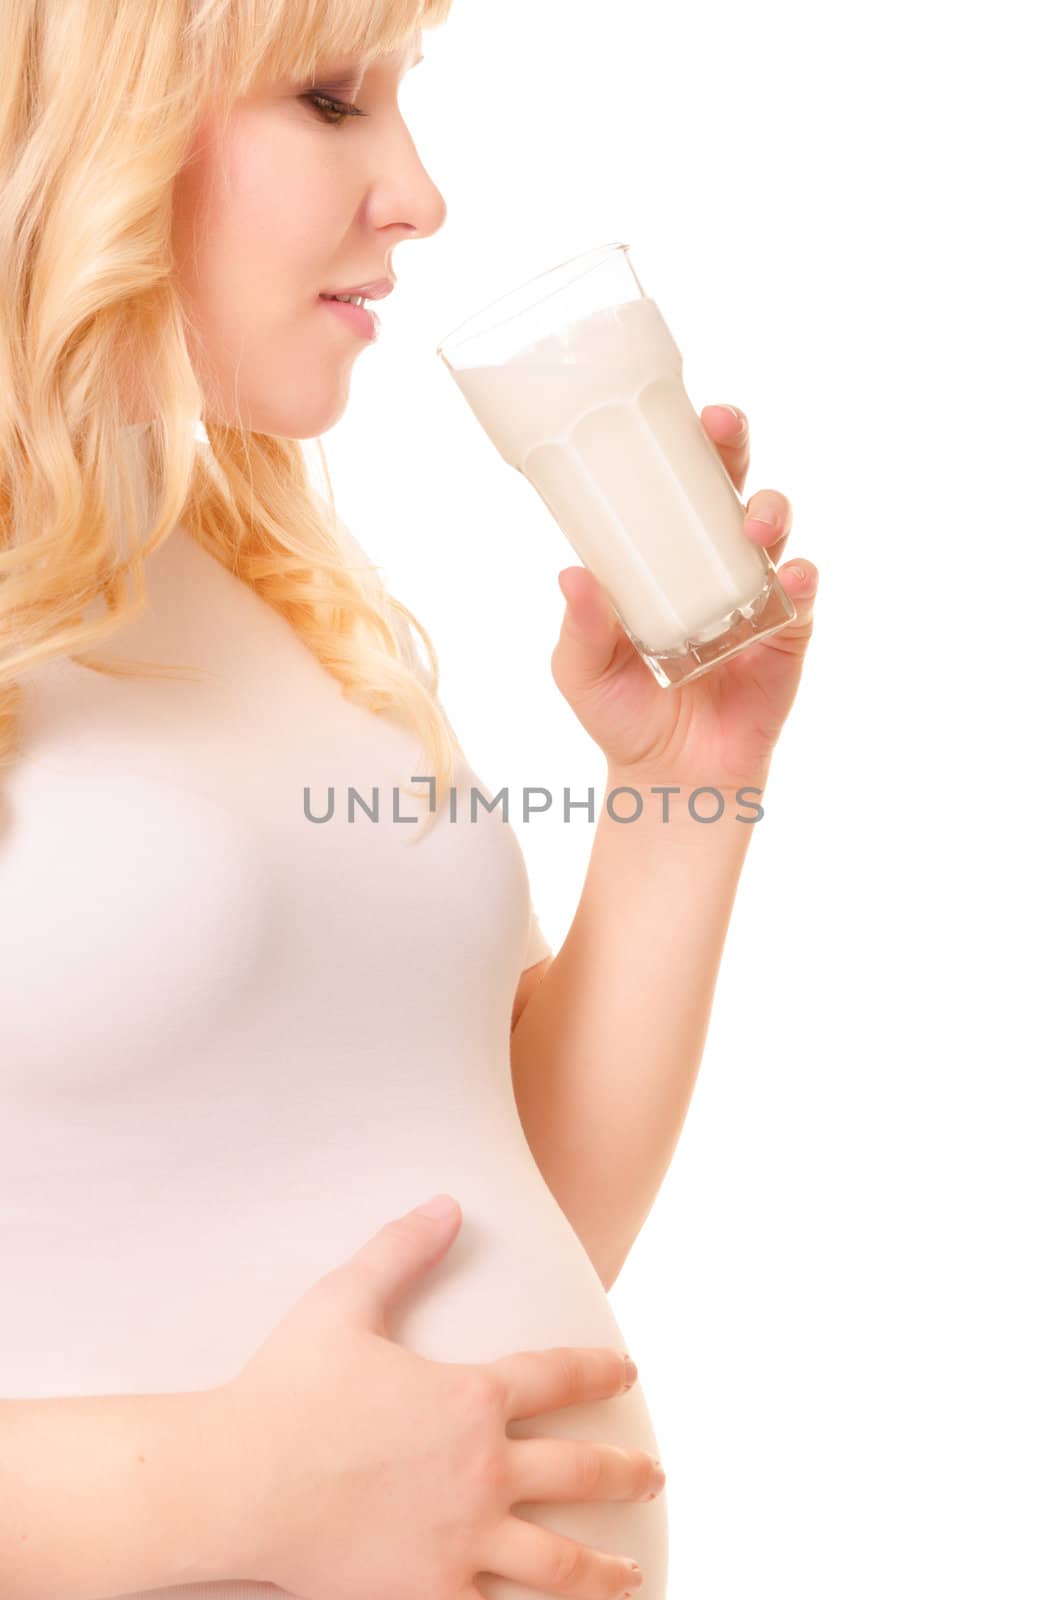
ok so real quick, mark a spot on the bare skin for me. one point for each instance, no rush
(374, 1470)
(284, 203)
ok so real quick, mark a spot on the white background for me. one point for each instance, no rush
(844, 1303)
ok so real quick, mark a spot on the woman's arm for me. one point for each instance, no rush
(606, 1052)
(607, 1046)
(528, 982)
(105, 1495)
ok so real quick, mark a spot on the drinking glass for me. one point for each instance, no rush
(577, 380)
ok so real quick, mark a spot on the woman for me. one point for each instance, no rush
(243, 1027)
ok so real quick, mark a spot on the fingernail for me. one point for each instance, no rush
(741, 419)
(631, 1373)
(762, 519)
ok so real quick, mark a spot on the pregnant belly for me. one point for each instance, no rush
(518, 1278)
(174, 1291)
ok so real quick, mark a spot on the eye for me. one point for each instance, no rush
(332, 111)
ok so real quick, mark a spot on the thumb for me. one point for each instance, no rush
(589, 631)
(401, 1252)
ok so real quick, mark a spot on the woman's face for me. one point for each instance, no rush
(282, 208)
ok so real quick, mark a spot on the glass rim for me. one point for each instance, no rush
(466, 331)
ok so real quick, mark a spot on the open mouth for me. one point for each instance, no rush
(353, 311)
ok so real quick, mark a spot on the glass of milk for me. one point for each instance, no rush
(577, 380)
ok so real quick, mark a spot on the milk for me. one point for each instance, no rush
(597, 417)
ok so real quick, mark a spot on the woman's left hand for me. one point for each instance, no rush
(720, 728)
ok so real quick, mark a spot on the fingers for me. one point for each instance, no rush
(769, 513)
(581, 1469)
(730, 433)
(800, 580)
(768, 521)
(541, 1559)
(542, 1380)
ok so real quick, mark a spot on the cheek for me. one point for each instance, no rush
(289, 207)
(259, 229)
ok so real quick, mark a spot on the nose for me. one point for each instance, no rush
(404, 194)
(434, 209)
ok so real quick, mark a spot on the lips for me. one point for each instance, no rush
(369, 291)
(361, 318)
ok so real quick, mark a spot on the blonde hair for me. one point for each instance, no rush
(100, 101)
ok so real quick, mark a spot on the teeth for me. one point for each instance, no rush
(347, 299)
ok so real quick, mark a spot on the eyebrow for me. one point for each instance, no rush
(419, 58)
(359, 70)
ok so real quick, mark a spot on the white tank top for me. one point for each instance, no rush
(234, 1041)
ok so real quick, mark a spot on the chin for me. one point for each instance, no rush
(308, 422)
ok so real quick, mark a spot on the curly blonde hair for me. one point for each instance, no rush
(100, 101)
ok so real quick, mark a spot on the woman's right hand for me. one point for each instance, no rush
(371, 1470)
